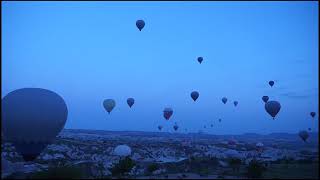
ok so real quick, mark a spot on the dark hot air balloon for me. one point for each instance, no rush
(224, 100)
(31, 119)
(313, 114)
(140, 24)
(159, 127)
(271, 83)
(130, 102)
(109, 104)
(265, 99)
(200, 59)
(175, 127)
(167, 113)
(235, 103)
(272, 107)
(194, 95)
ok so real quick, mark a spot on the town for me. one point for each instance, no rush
(161, 155)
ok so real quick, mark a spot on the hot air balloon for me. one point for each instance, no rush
(175, 127)
(235, 103)
(219, 120)
(272, 107)
(167, 113)
(159, 127)
(304, 135)
(122, 150)
(259, 147)
(265, 99)
(109, 104)
(31, 119)
(224, 100)
(130, 102)
(313, 114)
(200, 59)
(271, 83)
(140, 24)
(194, 95)
(309, 129)
(211, 125)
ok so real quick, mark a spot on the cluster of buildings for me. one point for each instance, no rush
(73, 148)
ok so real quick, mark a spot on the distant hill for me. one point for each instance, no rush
(247, 136)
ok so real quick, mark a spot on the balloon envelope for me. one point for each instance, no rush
(259, 144)
(271, 83)
(304, 135)
(265, 99)
(31, 119)
(259, 147)
(235, 103)
(160, 127)
(122, 150)
(273, 108)
(140, 24)
(313, 114)
(167, 113)
(194, 95)
(109, 104)
(200, 59)
(130, 102)
(175, 127)
(224, 100)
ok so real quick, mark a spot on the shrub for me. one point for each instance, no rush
(255, 169)
(204, 172)
(235, 163)
(124, 166)
(59, 173)
(152, 167)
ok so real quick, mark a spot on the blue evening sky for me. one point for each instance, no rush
(91, 51)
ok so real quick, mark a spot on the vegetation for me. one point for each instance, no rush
(235, 164)
(255, 169)
(124, 166)
(204, 171)
(292, 171)
(152, 167)
(59, 173)
(203, 166)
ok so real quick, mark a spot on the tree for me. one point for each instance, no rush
(235, 164)
(124, 166)
(255, 169)
(152, 167)
(59, 173)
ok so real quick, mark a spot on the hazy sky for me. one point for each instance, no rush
(91, 51)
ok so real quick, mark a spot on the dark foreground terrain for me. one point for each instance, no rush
(90, 154)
